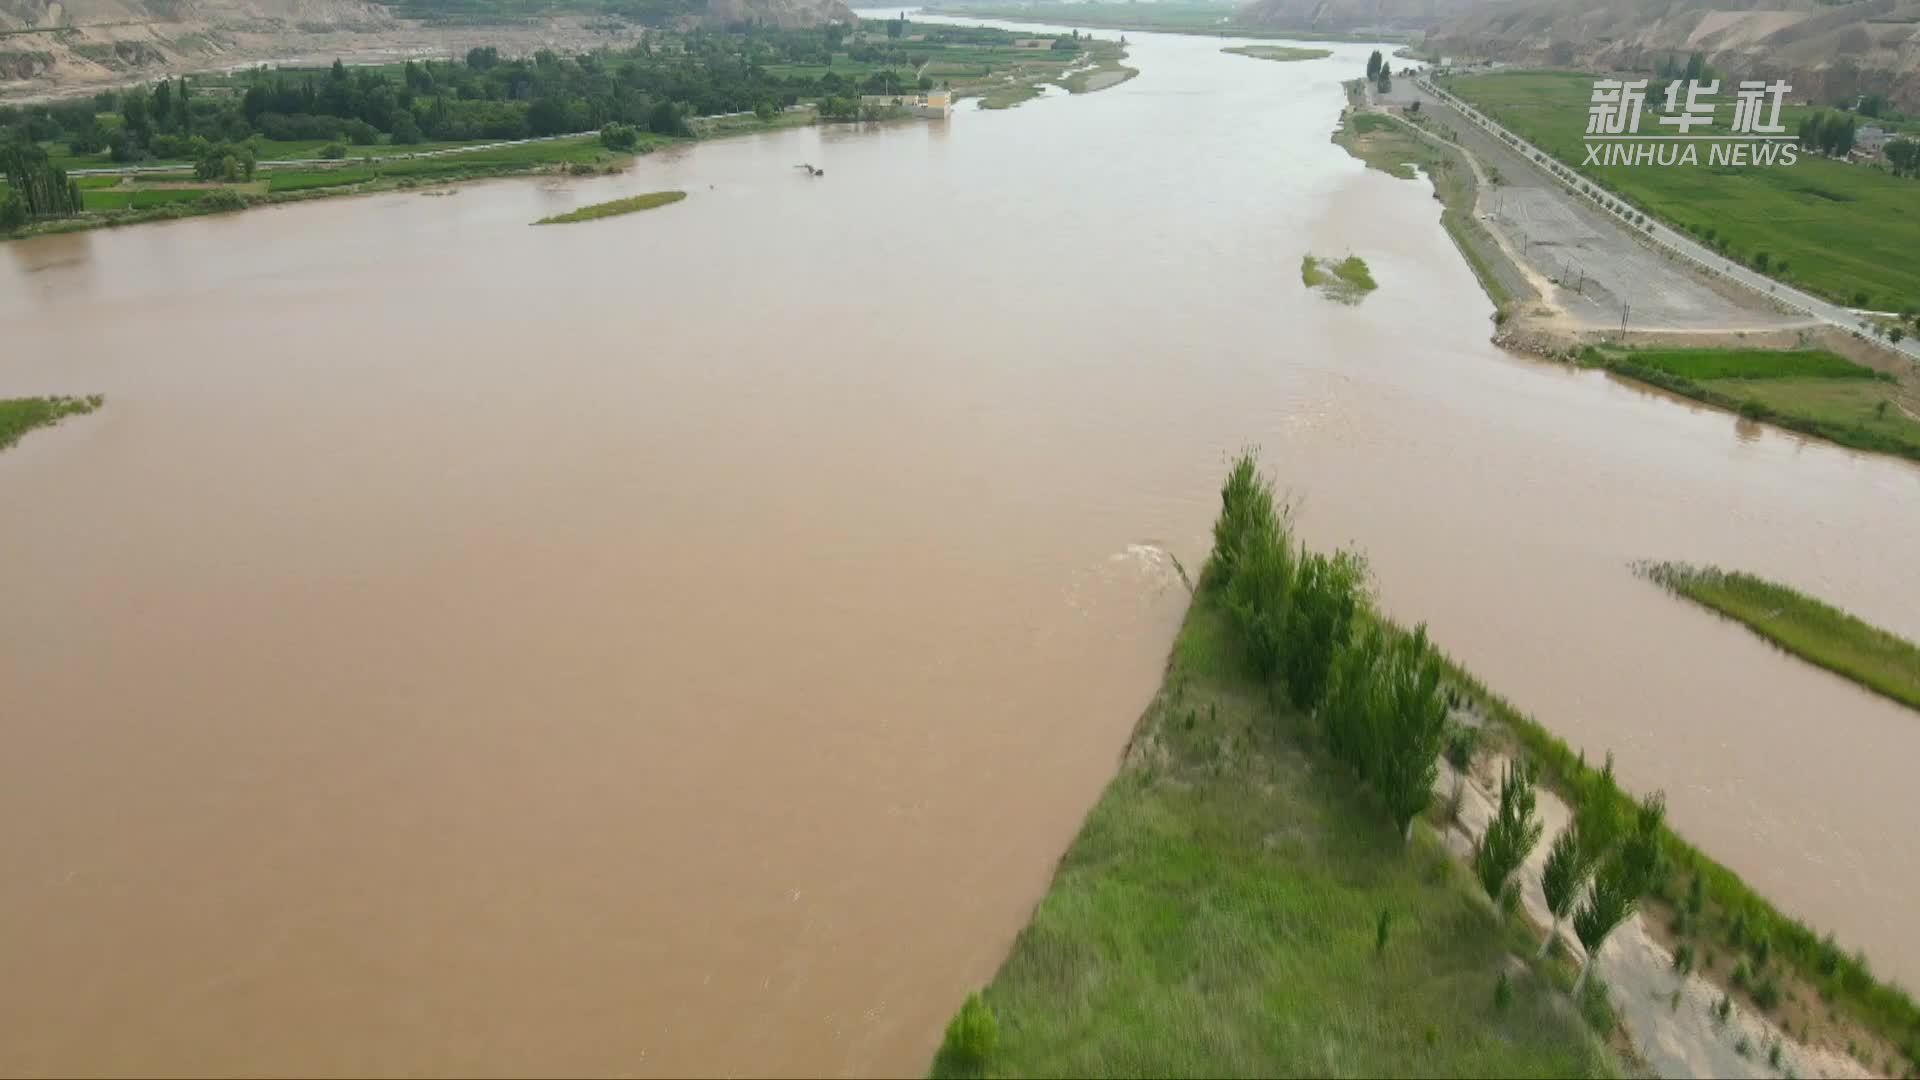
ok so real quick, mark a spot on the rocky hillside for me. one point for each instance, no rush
(1827, 51)
(1346, 16)
(55, 47)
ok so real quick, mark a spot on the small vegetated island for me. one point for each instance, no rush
(1346, 280)
(1813, 630)
(228, 141)
(616, 207)
(1272, 884)
(21, 415)
(1283, 53)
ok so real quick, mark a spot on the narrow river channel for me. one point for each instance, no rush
(685, 642)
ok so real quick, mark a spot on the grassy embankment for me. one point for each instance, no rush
(1237, 904)
(1211, 917)
(1810, 391)
(615, 208)
(1396, 148)
(21, 415)
(1346, 280)
(158, 200)
(1169, 17)
(1844, 231)
(1281, 53)
(1808, 628)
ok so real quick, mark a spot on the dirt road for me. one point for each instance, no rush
(1597, 275)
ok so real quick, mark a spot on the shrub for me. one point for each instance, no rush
(1742, 974)
(1683, 957)
(222, 200)
(1766, 993)
(619, 137)
(333, 151)
(971, 1035)
(1382, 928)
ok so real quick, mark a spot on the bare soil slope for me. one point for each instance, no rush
(1827, 51)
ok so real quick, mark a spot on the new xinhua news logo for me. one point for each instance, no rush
(1754, 137)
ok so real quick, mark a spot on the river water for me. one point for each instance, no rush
(685, 642)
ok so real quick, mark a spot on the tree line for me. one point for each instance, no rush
(654, 86)
(1381, 701)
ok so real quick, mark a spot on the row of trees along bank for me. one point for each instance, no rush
(1382, 702)
(35, 187)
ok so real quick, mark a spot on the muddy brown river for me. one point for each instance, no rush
(685, 642)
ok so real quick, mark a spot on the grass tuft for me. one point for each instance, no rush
(21, 415)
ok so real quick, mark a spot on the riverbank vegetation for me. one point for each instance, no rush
(1773, 963)
(1401, 149)
(1810, 391)
(21, 415)
(1282, 53)
(1841, 230)
(1244, 899)
(1346, 280)
(355, 129)
(616, 207)
(1808, 628)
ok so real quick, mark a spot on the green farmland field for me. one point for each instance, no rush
(1849, 232)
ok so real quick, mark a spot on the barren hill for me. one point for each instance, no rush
(54, 47)
(1327, 16)
(1827, 51)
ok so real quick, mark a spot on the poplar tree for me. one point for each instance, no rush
(1510, 836)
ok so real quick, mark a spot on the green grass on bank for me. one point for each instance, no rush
(1754, 364)
(1810, 391)
(614, 208)
(1814, 631)
(21, 415)
(1283, 53)
(112, 205)
(1346, 280)
(1219, 912)
(1845, 231)
(1395, 147)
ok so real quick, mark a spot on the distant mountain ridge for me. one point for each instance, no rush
(1347, 16)
(1828, 51)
